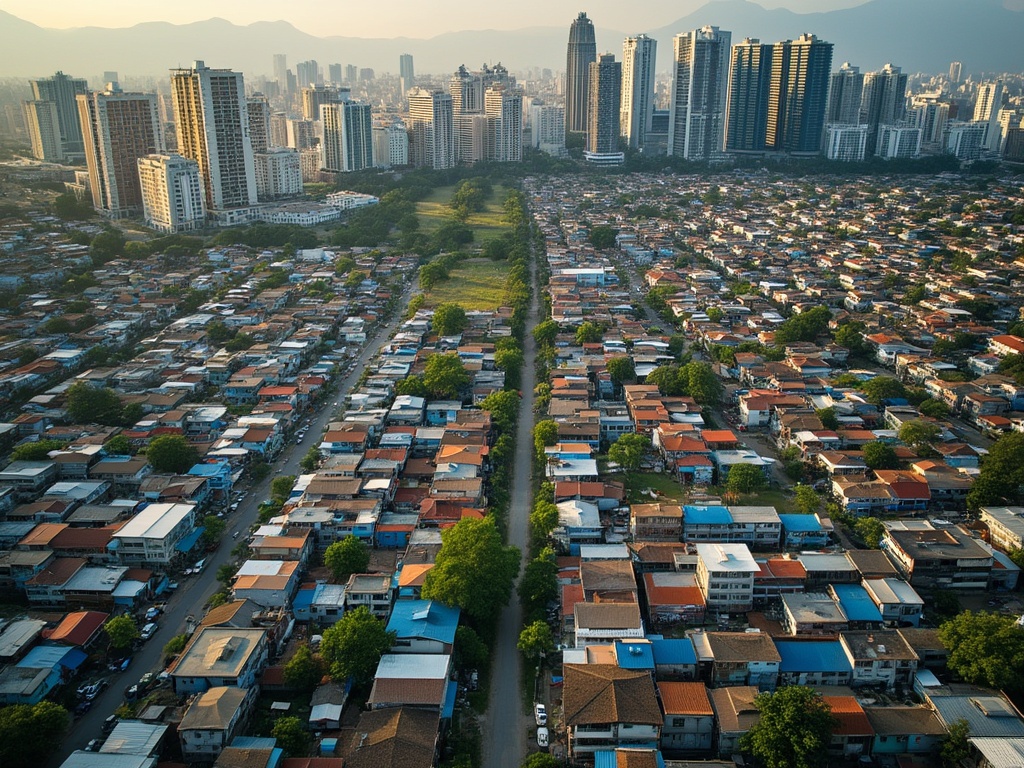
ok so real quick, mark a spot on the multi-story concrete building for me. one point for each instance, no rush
(278, 173)
(637, 100)
(547, 128)
(259, 123)
(316, 96)
(725, 575)
(172, 193)
(986, 110)
(798, 95)
(605, 82)
(697, 111)
(406, 72)
(581, 53)
(431, 129)
(845, 95)
(503, 107)
(61, 90)
(846, 142)
(747, 100)
(153, 535)
(884, 102)
(898, 141)
(348, 137)
(43, 126)
(390, 145)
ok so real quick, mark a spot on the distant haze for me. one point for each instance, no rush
(398, 18)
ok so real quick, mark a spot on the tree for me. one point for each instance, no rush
(539, 585)
(510, 360)
(30, 732)
(918, 433)
(701, 383)
(628, 451)
(545, 333)
(106, 245)
(806, 326)
(412, 386)
(621, 370)
(354, 645)
(122, 632)
(118, 445)
(445, 375)
(851, 336)
(883, 388)
(226, 575)
(471, 652)
(1002, 474)
(213, 529)
(38, 451)
(292, 736)
(536, 640)
(934, 409)
(281, 488)
(746, 478)
(870, 530)
(955, 747)
(602, 237)
(540, 760)
(794, 730)
(880, 456)
(985, 649)
(504, 409)
(348, 556)
(171, 453)
(304, 670)
(670, 380)
(545, 433)
(543, 520)
(807, 500)
(175, 645)
(87, 404)
(828, 417)
(589, 333)
(473, 569)
(311, 460)
(449, 319)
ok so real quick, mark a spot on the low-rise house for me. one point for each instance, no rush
(220, 656)
(672, 598)
(399, 737)
(813, 663)
(736, 714)
(414, 680)
(608, 707)
(1005, 526)
(423, 626)
(812, 614)
(805, 531)
(725, 575)
(689, 723)
(157, 535)
(656, 522)
(605, 622)
(857, 605)
(880, 658)
(374, 590)
(854, 733)
(738, 658)
(269, 583)
(212, 720)
(943, 557)
(901, 730)
(897, 601)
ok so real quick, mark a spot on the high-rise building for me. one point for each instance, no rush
(308, 73)
(117, 129)
(966, 140)
(697, 110)
(366, 74)
(547, 128)
(279, 129)
(278, 173)
(478, 123)
(348, 137)
(213, 130)
(173, 198)
(431, 129)
(747, 102)
(259, 122)
(845, 142)
(62, 90)
(845, 95)
(930, 115)
(334, 74)
(582, 52)
(884, 101)
(898, 141)
(315, 96)
(351, 74)
(986, 110)
(301, 134)
(406, 72)
(798, 95)
(390, 145)
(503, 106)
(467, 91)
(281, 70)
(43, 126)
(955, 71)
(603, 124)
(637, 100)
(309, 162)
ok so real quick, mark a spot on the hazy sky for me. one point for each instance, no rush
(395, 18)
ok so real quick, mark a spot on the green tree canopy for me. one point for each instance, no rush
(536, 639)
(746, 478)
(589, 333)
(918, 433)
(281, 488)
(175, 645)
(701, 383)
(628, 451)
(956, 747)
(539, 585)
(471, 652)
(828, 417)
(304, 670)
(348, 556)
(118, 445)
(880, 456)
(543, 520)
(935, 409)
(882, 388)
(504, 409)
(213, 529)
(806, 326)
(540, 760)
(37, 451)
(670, 380)
(545, 333)
(807, 500)
(985, 649)
(292, 736)
(171, 453)
(794, 730)
(622, 370)
(545, 433)
(311, 460)
(445, 376)
(603, 237)
(354, 645)
(474, 570)
(87, 404)
(30, 732)
(870, 530)
(412, 386)
(122, 632)
(1002, 474)
(449, 319)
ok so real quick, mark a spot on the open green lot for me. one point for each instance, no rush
(639, 483)
(433, 211)
(475, 284)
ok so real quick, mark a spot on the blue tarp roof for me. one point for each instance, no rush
(801, 523)
(856, 603)
(188, 543)
(50, 656)
(634, 655)
(707, 515)
(673, 650)
(207, 469)
(449, 700)
(303, 599)
(424, 618)
(812, 656)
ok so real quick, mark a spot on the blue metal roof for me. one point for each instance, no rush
(207, 469)
(188, 543)
(812, 656)
(303, 599)
(451, 694)
(800, 523)
(673, 650)
(634, 655)
(424, 619)
(856, 603)
(707, 515)
(50, 656)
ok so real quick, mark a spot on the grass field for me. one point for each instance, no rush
(475, 284)
(637, 484)
(433, 211)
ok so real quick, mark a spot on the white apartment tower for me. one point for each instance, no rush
(637, 103)
(173, 197)
(348, 137)
(845, 142)
(503, 106)
(986, 110)
(44, 130)
(845, 93)
(278, 173)
(117, 129)
(547, 128)
(390, 145)
(700, 81)
(431, 129)
(259, 123)
(213, 129)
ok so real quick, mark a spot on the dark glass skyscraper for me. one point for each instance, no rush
(798, 95)
(747, 103)
(604, 104)
(582, 52)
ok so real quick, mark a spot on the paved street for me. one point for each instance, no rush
(195, 591)
(506, 725)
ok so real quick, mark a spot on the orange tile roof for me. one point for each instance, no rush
(851, 717)
(685, 699)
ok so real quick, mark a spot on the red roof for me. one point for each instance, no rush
(78, 628)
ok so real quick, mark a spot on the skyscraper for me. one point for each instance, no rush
(637, 100)
(431, 129)
(503, 106)
(62, 89)
(747, 103)
(281, 72)
(406, 72)
(314, 96)
(603, 119)
(44, 130)
(278, 173)
(547, 128)
(798, 95)
(955, 71)
(259, 122)
(334, 74)
(582, 52)
(351, 74)
(696, 127)
(172, 193)
(307, 73)
(390, 145)
(884, 101)
(213, 130)
(348, 137)
(845, 96)
(117, 129)
(986, 110)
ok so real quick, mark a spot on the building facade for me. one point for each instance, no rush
(747, 100)
(639, 55)
(348, 137)
(798, 95)
(699, 89)
(62, 90)
(603, 103)
(431, 129)
(581, 53)
(172, 193)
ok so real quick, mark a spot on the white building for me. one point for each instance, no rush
(390, 145)
(725, 575)
(898, 141)
(636, 108)
(431, 129)
(172, 193)
(212, 720)
(152, 536)
(547, 128)
(700, 81)
(986, 110)
(348, 137)
(966, 140)
(503, 106)
(220, 656)
(846, 142)
(44, 130)
(278, 173)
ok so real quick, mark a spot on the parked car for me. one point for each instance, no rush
(540, 714)
(131, 693)
(542, 737)
(90, 692)
(152, 613)
(110, 723)
(148, 631)
(94, 745)
(172, 586)
(83, 706)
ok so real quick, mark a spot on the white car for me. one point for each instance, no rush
(148, 631)
(542, 737)
(540, 714)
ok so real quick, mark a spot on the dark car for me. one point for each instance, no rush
(83, 706)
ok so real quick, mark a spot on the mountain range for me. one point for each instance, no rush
(918, 35)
